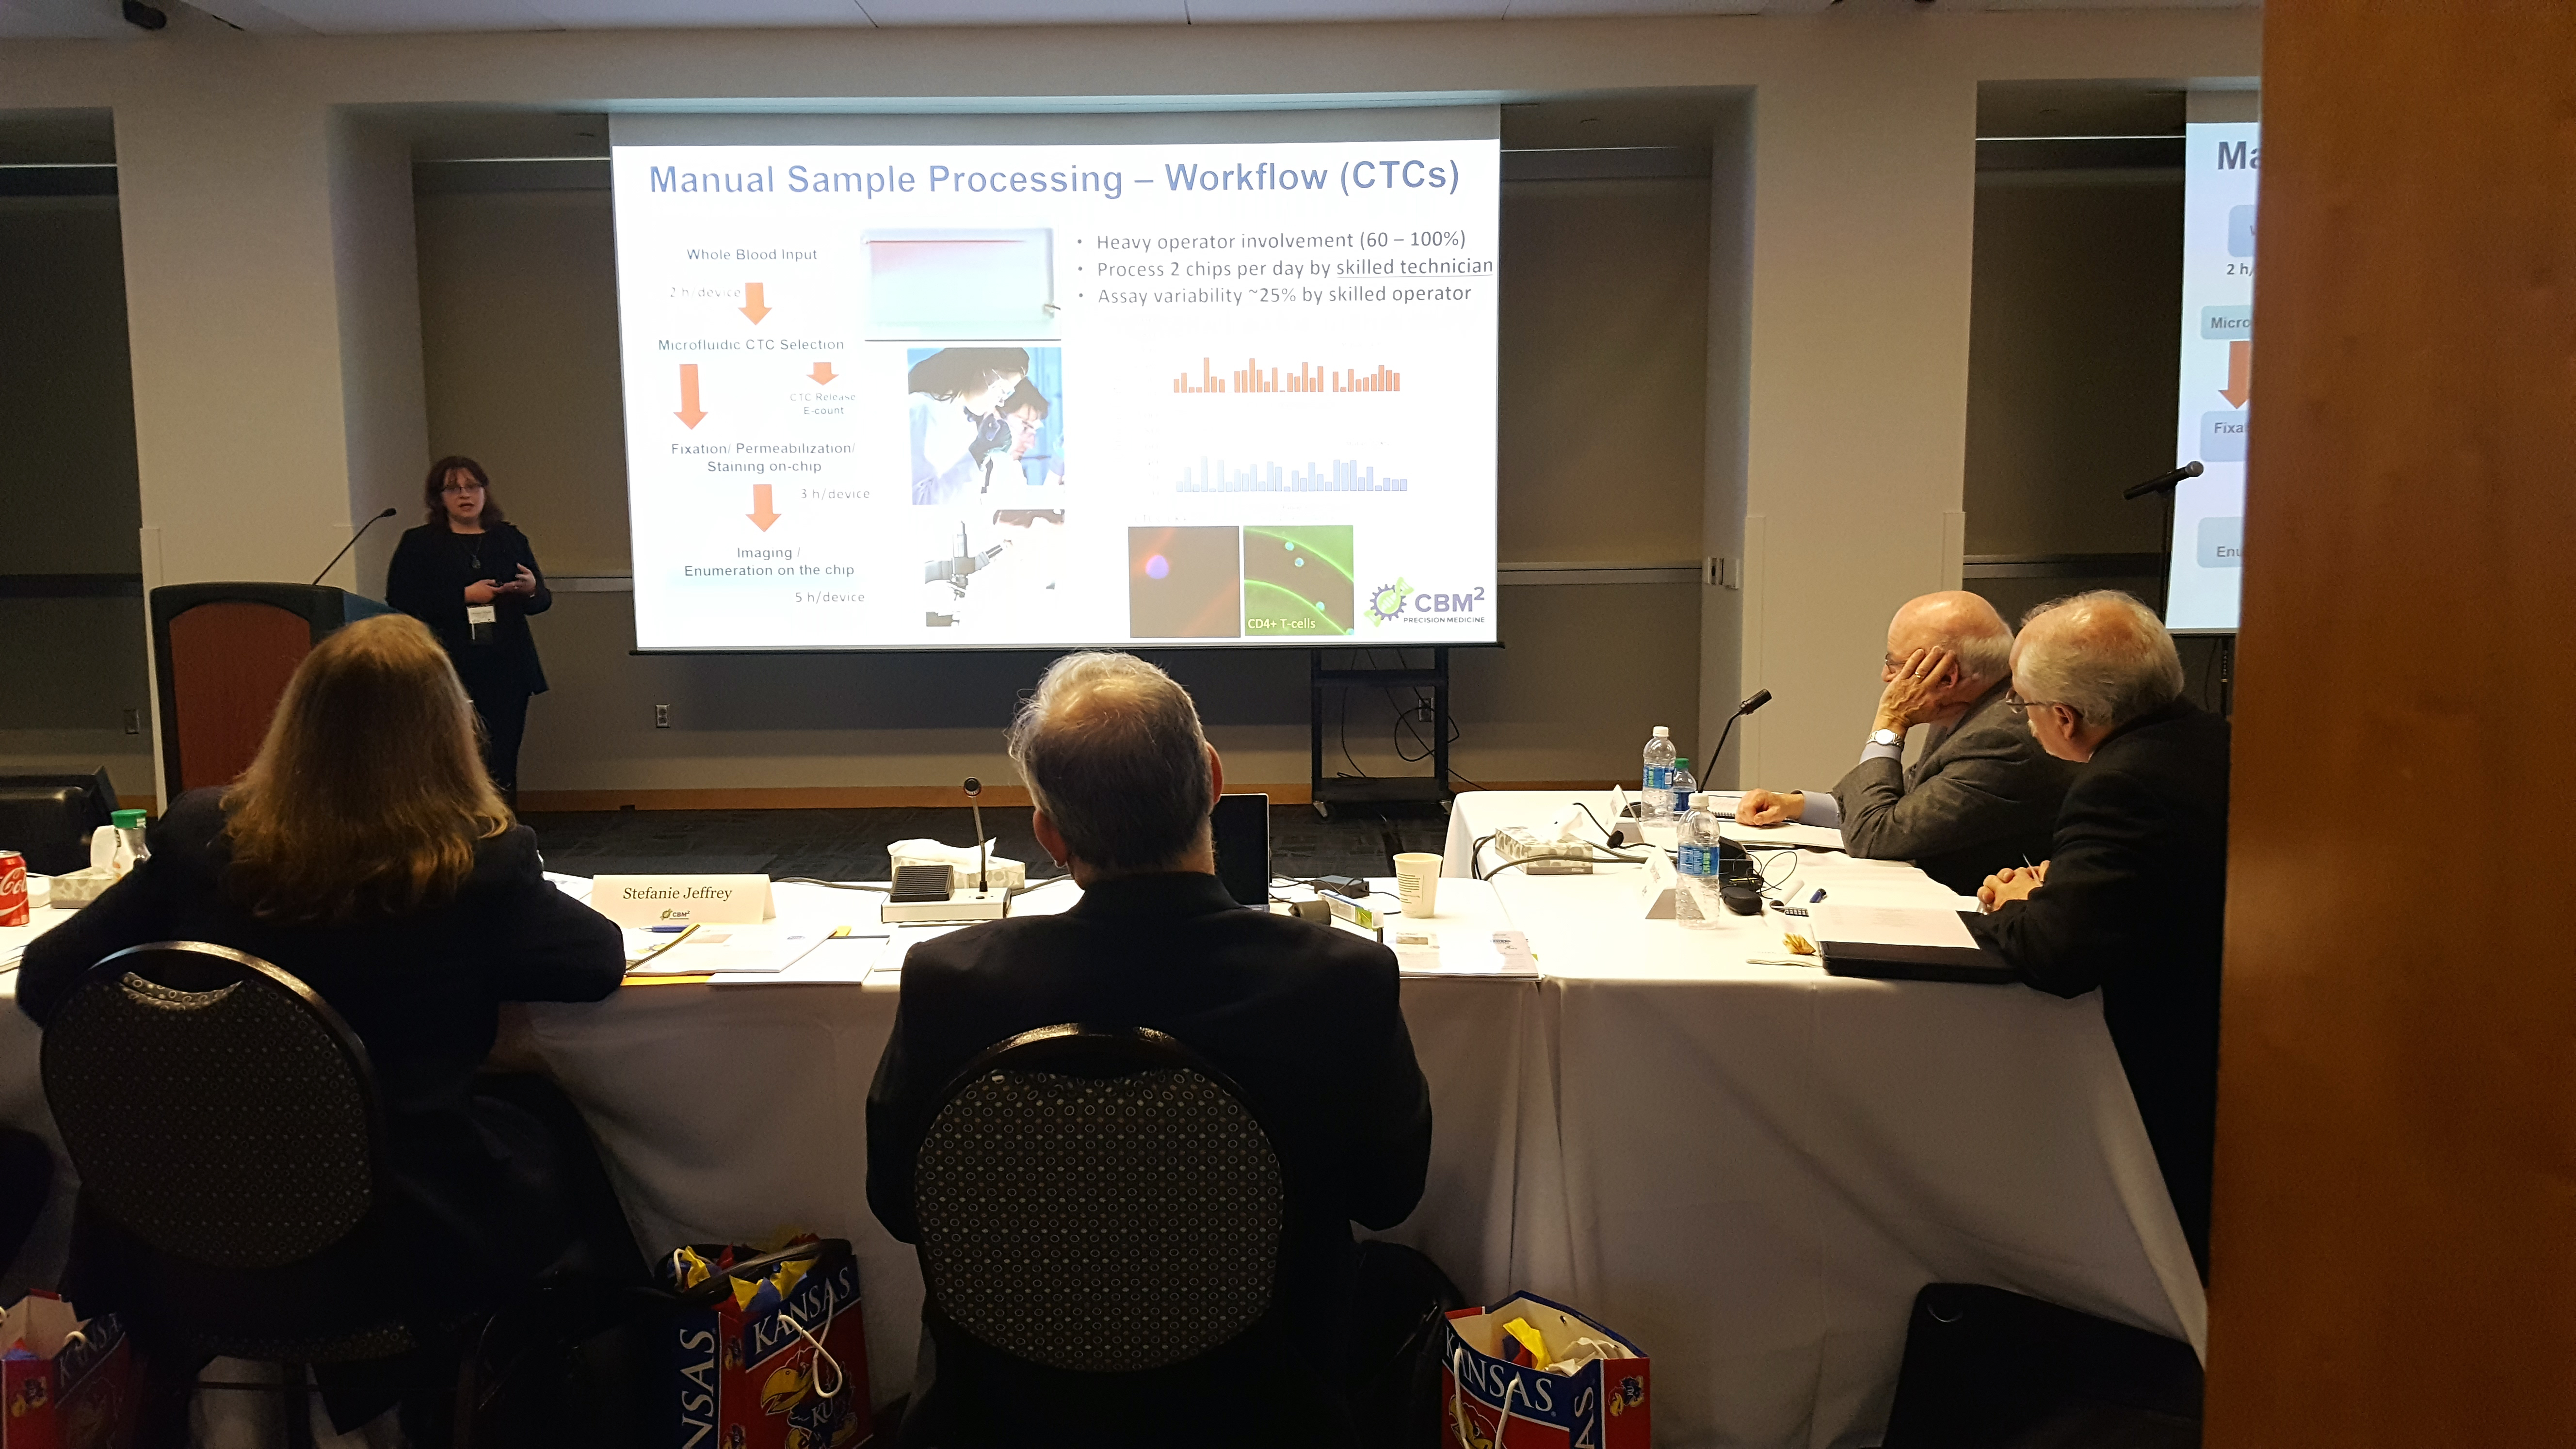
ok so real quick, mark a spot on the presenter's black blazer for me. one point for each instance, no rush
(1303, 1018)
(427, 579)
(423, 992)
(2136, 905)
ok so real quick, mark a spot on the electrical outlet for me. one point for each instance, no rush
(134, 721)
(661, 716)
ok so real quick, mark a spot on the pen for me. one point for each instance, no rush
(665, 930)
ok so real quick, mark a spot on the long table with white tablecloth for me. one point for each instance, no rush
(1748, 1169)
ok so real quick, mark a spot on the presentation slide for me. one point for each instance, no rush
(1013, 396)
(2220, 162)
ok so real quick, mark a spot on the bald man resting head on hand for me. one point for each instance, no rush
(1983, 794)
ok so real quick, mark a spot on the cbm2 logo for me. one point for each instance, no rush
(1399, 601)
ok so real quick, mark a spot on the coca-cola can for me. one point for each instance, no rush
(13, 889)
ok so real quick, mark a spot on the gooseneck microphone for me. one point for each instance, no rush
(2163, 481)
(1754, 701)
(353, 541)
(975, 787)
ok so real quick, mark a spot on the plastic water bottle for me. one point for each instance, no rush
(1655, 796)
(1685, 785)
(1695, 900)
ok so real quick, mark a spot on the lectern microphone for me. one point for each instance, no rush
(975, 787)
(353, 541)
(2163, 481)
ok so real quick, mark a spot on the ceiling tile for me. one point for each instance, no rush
(1223, 12)
(64, 20)
(1025, 12)
(405, 17)
(647, 14)
(1554, 9)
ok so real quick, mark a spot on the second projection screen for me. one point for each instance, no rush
(1027, 396)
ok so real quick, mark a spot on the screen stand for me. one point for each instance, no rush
(1377, 790)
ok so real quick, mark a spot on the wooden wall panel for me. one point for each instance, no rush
(2395, 1245)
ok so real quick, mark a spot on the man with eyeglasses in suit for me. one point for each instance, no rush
(1982, 795)
(2132, 897)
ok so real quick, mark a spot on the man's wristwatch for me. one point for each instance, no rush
(1885, 737)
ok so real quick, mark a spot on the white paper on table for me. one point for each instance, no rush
(835, 961)
(718, 950)
(1422, 949)
(1814, 836)
(575, 886)
(1891, 926)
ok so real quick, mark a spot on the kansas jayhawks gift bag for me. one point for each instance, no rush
(769, 1350)
(1531, 1374)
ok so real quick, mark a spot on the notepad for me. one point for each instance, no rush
(1906, 943)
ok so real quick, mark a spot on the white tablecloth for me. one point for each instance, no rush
(1748, 1169)
(737, 1113)
(1756, 1167)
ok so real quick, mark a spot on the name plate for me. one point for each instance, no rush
(683, 900)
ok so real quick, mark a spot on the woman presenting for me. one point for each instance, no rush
(473, 580)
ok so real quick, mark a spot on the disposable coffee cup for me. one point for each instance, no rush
(1417, 883)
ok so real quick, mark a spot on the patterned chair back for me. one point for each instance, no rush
(213, 1105)
(1098, 1200)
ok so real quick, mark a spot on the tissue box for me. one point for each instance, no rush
(82, 886)
(1000, 871)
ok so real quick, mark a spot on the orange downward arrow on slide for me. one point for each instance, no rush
(2240, 373)
(751, 304)
(824, 374)
(761, 513)
(689, 412)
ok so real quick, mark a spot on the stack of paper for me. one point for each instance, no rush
(722, 950)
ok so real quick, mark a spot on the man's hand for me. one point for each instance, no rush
(1770, 807)
(1914, 693)
(2012, 883)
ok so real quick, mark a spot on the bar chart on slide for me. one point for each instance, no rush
(1342, 475)
(1253, 377)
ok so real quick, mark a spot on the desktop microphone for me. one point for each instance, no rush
(1756, 700)
(353, 541)
(2163, 481)
(975, 787)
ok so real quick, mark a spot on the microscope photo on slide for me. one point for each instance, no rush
(985, 425)
(1297, 579)
(1185, 583)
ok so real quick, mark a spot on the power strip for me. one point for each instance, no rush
(1545, 856)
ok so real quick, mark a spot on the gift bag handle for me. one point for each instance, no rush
(1457, 1399)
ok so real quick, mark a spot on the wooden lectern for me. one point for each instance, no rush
(222, 654)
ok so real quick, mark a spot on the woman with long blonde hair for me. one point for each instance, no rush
(366, 853)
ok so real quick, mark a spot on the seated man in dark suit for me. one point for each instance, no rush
(2133, 896)
(1982, 795)
(1303, 1019)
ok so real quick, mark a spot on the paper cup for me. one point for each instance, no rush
(1417, 883)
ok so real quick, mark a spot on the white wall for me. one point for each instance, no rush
(248, 388)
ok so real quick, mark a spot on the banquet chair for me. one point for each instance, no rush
(225, 1127)
(1100, 1201)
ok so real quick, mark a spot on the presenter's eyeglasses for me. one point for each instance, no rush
(467, 486)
